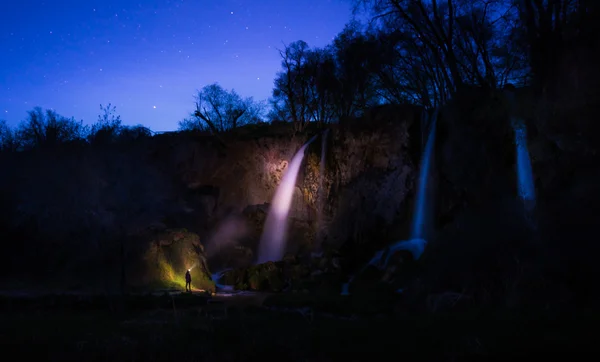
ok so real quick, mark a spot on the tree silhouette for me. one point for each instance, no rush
(291, 95)
(442, 45)
(219, 110)
(8, 139)
(48, 129)
(320, 70)
(107, 127)
(134, 133)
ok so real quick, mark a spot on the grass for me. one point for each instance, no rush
(251, 333)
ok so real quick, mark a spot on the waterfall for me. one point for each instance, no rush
(420, 214)
(273, 240)
(416, 245)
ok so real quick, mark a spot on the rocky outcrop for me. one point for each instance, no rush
(170, 254)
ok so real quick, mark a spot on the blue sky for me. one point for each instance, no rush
(148, 58)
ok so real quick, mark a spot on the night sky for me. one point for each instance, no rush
(148, 58)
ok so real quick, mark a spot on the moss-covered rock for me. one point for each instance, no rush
(171, 254)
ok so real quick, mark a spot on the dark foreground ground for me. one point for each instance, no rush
(280, 327)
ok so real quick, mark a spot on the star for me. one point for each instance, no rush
(147, 55)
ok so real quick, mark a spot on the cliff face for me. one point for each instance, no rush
(77, 202)
(374, 176)
(369, 175)
(72, 203)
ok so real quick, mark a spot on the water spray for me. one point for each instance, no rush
(217, 276)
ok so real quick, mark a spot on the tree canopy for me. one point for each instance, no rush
(425, 52)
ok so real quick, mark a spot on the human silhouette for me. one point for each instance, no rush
(188, 281)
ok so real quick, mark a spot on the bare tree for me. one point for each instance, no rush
(356, 61)
(48, 129)
(107, 127)
(320, 69)
(220, 110)
(291, 93)
(438, 46)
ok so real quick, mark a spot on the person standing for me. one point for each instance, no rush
(188, 281)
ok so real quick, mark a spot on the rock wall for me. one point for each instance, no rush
(369, 175)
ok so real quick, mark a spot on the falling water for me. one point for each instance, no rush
(321, 196)
(524, 171)
(418, 228)
(273, 239)
(416, 245)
